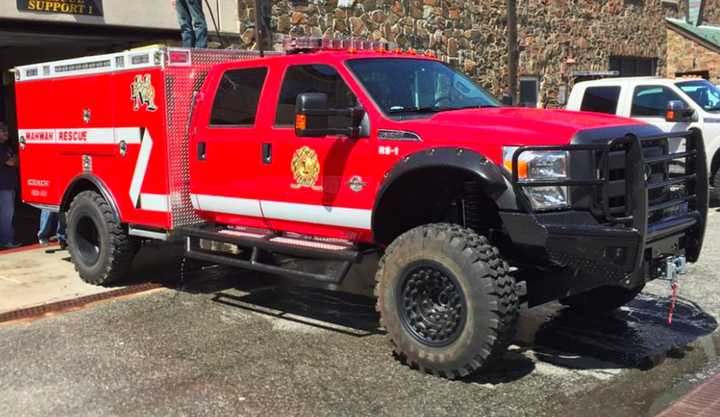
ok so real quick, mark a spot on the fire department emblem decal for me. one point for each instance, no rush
(143, 93)
(305, 168)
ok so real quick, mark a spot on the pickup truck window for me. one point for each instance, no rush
(313, 79)
(703, 93)
(237, 97)
(651, 100)
(402, 87)
(601, 99)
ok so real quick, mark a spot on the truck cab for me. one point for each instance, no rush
(647, 99)
(341, 153)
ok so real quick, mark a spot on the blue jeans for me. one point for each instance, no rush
(49, 224)
(193, 27)
(7, 211)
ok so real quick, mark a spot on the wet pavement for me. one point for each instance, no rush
(241, 344)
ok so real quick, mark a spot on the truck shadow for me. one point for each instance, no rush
(635, 336)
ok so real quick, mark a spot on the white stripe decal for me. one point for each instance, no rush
(307, 213)
(89, 136)
(333, 216)
(140, 169)
(154, 202)
(230, 205)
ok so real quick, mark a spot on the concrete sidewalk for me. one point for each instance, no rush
(42, 275)
(39, 276)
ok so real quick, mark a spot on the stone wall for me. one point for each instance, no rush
(472, 34)
(685, 55)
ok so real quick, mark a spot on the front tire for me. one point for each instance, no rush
(446, 300)
(98, 243)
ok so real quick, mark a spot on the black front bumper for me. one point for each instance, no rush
(626, 245)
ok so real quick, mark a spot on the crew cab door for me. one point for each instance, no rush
(649, 103)
(317, 185)
(225, 154)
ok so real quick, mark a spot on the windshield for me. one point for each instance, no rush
(703, 93)
(415, 86)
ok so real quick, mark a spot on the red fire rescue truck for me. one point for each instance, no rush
(302, 163)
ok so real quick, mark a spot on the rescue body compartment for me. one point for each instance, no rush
(119, 121)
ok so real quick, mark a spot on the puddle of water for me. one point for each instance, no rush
(635, 336)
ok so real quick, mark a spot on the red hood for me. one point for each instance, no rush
(489, 129)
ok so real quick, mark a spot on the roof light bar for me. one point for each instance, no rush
(293, 45)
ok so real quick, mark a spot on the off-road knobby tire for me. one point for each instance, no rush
(601, 300)
(116, 248)
(489, 293)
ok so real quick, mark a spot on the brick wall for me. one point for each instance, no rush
(472, 34)
(685, 55)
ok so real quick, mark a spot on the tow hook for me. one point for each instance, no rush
(674, 267)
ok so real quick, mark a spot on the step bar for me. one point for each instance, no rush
(256, 244)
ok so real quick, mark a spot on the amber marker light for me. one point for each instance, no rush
(300, 122)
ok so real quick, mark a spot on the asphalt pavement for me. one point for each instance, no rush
(233, 343)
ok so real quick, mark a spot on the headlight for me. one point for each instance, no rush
(541, 165)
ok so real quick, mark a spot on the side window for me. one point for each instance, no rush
(601, 99)
(313, 79)
(237, 97)
(651, 101)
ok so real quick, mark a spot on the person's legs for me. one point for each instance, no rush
(195, 8)
(7, 211)
(62, 239)
(185, 21)
(48, 224)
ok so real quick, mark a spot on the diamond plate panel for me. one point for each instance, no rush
(181, 85)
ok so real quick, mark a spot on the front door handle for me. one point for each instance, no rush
(201, 151)
(267, 153)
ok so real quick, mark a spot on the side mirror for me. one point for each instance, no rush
(313, 117)
(677, 112)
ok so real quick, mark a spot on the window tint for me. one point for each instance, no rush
(237, 97)
(601, 99)
(313, 79)
(651, 101)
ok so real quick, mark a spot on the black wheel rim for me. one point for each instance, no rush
(432, 305)
(87, 238)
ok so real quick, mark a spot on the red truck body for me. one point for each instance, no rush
(309, 162)
(72, 114)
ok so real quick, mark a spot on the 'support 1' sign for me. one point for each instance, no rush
(83, 7)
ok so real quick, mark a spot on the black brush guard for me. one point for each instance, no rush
(624, 243)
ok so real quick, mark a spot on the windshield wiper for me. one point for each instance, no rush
(415, 110)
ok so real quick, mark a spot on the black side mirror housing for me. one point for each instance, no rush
(312, 117)
(677, 112)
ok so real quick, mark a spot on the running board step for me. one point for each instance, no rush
(253, 250)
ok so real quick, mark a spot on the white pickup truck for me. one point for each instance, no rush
(670, 104)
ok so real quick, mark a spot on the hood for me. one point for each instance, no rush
(515, 126)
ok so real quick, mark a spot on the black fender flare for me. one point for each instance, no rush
(495, 184)
(70, 192)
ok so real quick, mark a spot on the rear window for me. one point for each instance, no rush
(601, 99)
(237, 97)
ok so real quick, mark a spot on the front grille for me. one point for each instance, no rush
(666, 171)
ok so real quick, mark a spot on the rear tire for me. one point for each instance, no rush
(446, 300)
(601, 300)
(98, 243)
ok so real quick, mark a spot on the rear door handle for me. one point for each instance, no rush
(201, 151)
(267, 153)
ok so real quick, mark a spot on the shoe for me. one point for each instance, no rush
(10, 245)
(44, 241)
(63, 245)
